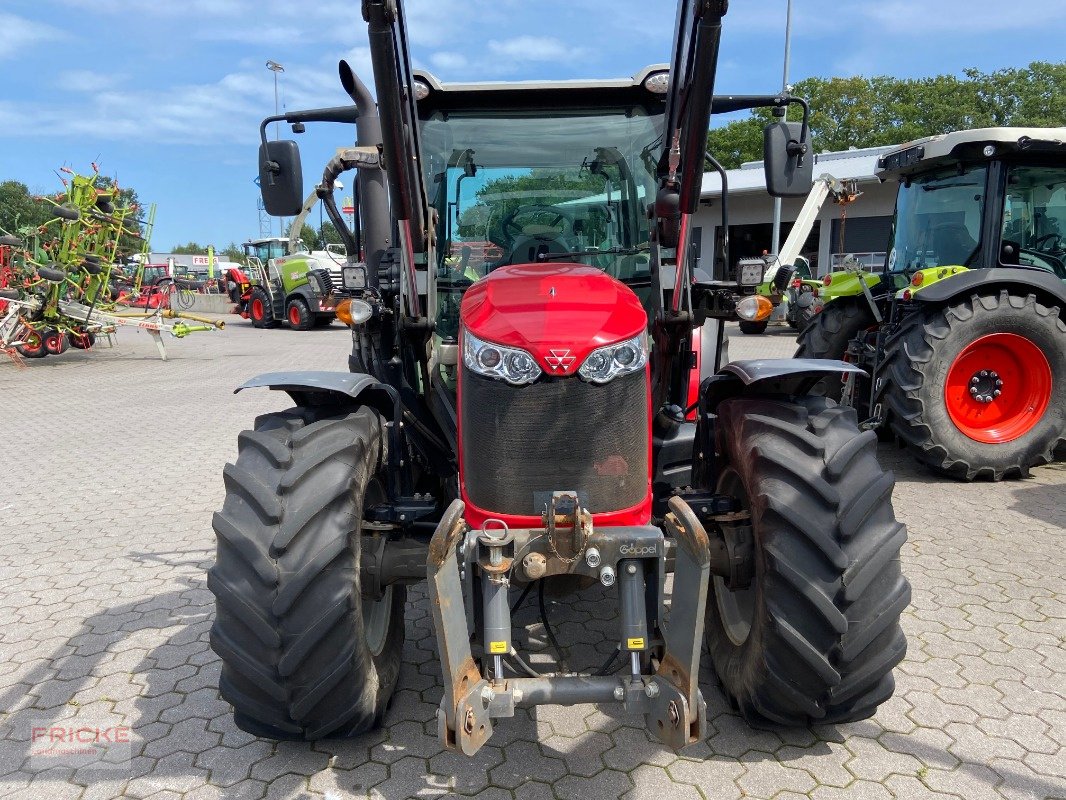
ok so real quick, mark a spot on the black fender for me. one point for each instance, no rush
(313, 387)
(1032, 280)
(791, 376)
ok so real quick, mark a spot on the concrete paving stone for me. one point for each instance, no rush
(608, 783)
(465, 775)
(652, 781)
(295, 757)
(112, 612)
(1022, 782)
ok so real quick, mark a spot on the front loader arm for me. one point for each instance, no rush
(401, 146)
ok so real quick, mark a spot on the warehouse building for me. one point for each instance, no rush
(863, 230)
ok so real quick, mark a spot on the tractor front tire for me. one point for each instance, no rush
(816, 635)
(937, 355)
(828, 333)
(304, 654)
(753, 327)
(299, 315)
(260, 309)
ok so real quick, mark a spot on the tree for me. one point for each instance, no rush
(232, 253)
(307, 235)
(327, 234)
(189, 249)
(870, 112)
(18, 208)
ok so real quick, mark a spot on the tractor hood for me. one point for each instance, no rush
(552, 306)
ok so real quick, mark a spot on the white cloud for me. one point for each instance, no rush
(86, 80)
(525, 49)
(17, 34)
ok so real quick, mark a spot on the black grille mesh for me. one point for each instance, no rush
(520, 443)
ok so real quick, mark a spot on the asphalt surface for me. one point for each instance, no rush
(112, 464)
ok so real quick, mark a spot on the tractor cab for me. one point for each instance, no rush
(535, 174)
(992, 197)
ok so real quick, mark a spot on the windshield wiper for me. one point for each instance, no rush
(623, 251)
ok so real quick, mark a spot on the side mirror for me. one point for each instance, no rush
(788, 162)
(783, 277)
(281, 178)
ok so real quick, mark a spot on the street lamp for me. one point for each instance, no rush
(275, 67)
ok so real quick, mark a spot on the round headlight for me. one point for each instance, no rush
(625, 355)
(597, 362)
(489, 357)
(519, 364)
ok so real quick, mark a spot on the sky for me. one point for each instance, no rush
(167, 96)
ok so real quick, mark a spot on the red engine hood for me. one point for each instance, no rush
(552, 306)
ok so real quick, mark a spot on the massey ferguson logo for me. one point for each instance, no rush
(559, 359)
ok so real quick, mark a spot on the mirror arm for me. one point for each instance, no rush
(717, 167)
(728, 103)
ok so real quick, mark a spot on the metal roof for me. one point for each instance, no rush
(860, 165)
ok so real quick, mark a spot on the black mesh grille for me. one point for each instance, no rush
(520, 443)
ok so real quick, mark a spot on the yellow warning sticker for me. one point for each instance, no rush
(501, 647)
(635, 644)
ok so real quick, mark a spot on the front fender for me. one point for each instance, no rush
(313, 387)
(790, 376)
(1037, 281)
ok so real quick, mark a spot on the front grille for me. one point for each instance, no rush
(521, 443)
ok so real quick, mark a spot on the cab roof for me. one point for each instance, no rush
(968, 145)
(538, 94)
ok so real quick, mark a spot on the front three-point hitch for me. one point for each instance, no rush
(662, 680)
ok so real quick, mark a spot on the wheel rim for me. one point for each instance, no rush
(33, 341)
(257, 308)
(376, 615)
(736, 608)
(998, 388)
(294, 314)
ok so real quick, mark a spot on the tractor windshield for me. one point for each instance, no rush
(938, 220)
(513, 187)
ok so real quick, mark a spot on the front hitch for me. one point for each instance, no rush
(628, 557)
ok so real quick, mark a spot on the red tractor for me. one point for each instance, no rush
(532, 423)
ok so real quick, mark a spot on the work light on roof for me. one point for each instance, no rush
(657, 82)
(421, 89)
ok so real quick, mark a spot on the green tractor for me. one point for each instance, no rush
(788, 280)
(290, 284)
(963, 332)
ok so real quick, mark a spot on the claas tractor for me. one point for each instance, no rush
(963, 333)
(553, 409)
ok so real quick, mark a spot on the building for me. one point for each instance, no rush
(866, 227)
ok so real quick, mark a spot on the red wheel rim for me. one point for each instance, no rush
(257, 309)
(33, 341)
(998, 388)
(53, 343)
(294, 314)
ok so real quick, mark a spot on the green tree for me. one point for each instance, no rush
(327, 234)
(232, 253)
(870, 112)
(308, 235)
(189, 249)
(19, 209)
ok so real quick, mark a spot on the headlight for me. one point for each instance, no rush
(606, 363)
(496, 361)
(754, 308)
(353, 277)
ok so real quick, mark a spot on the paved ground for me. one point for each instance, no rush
(106, 540)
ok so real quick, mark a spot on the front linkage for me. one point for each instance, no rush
(666, 692)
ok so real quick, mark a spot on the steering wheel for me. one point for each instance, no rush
(1057, 247)
(512, 230)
